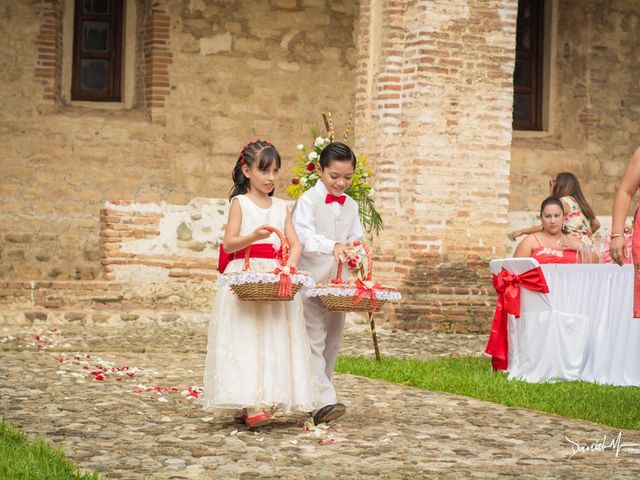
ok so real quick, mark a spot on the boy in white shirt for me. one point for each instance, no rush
(327, 222)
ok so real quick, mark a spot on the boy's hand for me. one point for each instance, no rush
(340, 252)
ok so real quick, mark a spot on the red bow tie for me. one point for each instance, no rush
(332, 198)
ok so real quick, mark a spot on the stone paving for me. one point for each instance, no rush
(124, 399)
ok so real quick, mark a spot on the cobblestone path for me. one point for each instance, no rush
(124, 399)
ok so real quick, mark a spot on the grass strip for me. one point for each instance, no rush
(613, 406)
(21, 458)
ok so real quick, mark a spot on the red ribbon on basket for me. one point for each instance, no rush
(364, 289)
(507, 287)
(285, 279)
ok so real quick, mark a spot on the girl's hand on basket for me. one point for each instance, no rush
(340, 252)
(260, 233)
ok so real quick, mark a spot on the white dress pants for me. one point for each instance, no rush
(324, 329)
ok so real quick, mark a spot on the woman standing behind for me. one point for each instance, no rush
(579, 216)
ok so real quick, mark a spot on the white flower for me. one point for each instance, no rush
(303, 181)
(313, 156)
(300, 147)
(319, 141)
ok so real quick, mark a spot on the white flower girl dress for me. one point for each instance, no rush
(258, 352)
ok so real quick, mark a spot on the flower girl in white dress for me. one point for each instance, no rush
(258, 355)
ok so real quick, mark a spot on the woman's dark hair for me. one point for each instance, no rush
(567, 185)
(338, 152)
(550, 201)
(259, 151)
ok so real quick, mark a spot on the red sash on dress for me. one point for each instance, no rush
(258, 250)
(635, 256)
(507, 287)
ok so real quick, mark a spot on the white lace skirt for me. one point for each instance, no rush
(257, 352)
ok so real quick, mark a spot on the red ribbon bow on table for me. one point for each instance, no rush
(285, 279)
(332, 198)
(364, 289)
(507, 287)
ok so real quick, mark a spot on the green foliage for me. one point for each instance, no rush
(22, 459)
(473, 377)
(306, 175)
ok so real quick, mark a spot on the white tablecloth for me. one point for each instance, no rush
(589, 333)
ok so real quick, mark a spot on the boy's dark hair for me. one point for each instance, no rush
(339, 152)
(259, 151)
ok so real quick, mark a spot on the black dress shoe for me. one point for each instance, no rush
(328, 413)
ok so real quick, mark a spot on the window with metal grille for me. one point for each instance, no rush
(97, 51)
(528, 73)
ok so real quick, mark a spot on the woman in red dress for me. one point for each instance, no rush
(550, 245)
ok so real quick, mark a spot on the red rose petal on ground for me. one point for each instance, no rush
(99, 377)
(326, 441)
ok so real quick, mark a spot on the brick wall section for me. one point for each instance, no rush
(434, 113)
(48, 63)
(119, 227)
(157, 57)
(234, 70)
(62, 294)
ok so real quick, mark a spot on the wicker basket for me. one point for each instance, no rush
(279, 285)
(360, 296)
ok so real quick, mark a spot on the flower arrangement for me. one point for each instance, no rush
(307, 173)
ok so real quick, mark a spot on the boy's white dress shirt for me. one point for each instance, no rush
(320, 226)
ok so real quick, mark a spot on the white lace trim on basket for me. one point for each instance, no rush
(242, 278)
(391, 295)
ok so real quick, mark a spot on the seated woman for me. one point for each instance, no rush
(579, 217)
(550, 245)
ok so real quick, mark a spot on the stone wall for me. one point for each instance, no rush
(593, 102)
(209, 75)
(154, 242)
(433, 106)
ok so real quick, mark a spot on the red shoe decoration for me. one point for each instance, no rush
(259, 420)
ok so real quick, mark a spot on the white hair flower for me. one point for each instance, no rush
(300, 147)
(319, 141)
(313, 156)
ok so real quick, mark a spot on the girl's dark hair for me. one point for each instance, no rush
(337, 151)
(567, 185)
(259, 153)
(550, 201)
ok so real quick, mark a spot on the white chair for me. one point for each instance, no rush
(544, 344)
